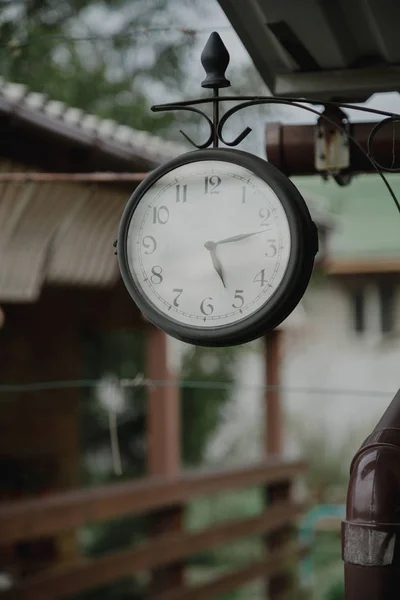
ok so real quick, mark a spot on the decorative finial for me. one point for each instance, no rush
(215, 60)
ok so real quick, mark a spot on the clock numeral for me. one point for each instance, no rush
(243, 195)
(264, 214)
(211, 184)
(181, 192)
(160, 215)
(272, 250)
(150, 244)
(156, 274)
(239, 297)
(260, 277)
(207, 309)
(179, 292)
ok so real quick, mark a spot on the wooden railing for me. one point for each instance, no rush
(166, 552)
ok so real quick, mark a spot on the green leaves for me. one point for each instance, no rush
(202, 408)
(103, 58)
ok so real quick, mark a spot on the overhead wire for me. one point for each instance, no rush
(15, 43)
(188, 384)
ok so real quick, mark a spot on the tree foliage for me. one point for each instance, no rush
(207, 376)
(100, 57)
(336, 592)
(121, 355)
(201, 402)
(114, 58)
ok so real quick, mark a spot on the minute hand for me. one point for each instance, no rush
(237, 238)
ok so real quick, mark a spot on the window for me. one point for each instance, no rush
(386, 306)
(358, 299)
(373, 307)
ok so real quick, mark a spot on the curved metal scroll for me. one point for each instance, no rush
(217, 125)
(210, 138)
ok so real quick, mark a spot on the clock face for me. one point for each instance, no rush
(209, 243)
(216, 247)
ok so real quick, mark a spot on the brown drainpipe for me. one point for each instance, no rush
(370, 547)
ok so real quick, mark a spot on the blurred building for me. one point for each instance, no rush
(352, 341)
(59, 279)
(340, 359)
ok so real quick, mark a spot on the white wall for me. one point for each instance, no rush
(351, 377)
(332, 356)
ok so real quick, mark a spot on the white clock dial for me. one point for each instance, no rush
(208, 243)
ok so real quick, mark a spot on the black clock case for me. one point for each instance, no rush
(304, 245)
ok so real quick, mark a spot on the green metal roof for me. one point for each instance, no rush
(366, 223)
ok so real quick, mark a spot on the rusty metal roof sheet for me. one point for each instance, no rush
(56, 233)
(62, 232)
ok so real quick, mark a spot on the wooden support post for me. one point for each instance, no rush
(39, 431)
(164, 437)
(163, 416)
(164, 579)
(279, 586)
(273, 407)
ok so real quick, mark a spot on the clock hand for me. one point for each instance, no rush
(210, 246)
(241, 236)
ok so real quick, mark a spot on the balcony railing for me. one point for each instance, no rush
(170, 547)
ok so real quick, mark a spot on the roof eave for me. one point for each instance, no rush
(251, 31)
(64, 133)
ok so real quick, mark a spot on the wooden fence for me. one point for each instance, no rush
(170, 546)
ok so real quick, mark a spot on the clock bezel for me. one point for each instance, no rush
(304, 245)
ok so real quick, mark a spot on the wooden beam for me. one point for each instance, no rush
(291, 148)
(84, 575)
(273, 408)
(164, 449)
(163, 425)
(279, 586)
(168, 574)
(32, 519)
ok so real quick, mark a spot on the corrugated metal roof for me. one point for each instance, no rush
(62, 233)
(50, 114)
(328, 49)
(56, 233)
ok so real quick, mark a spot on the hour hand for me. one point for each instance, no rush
(210, 246)
(237, 238)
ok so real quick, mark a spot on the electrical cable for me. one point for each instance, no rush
(15, 43)
(205, 385)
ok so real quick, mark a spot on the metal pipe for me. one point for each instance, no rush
(370, 533)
